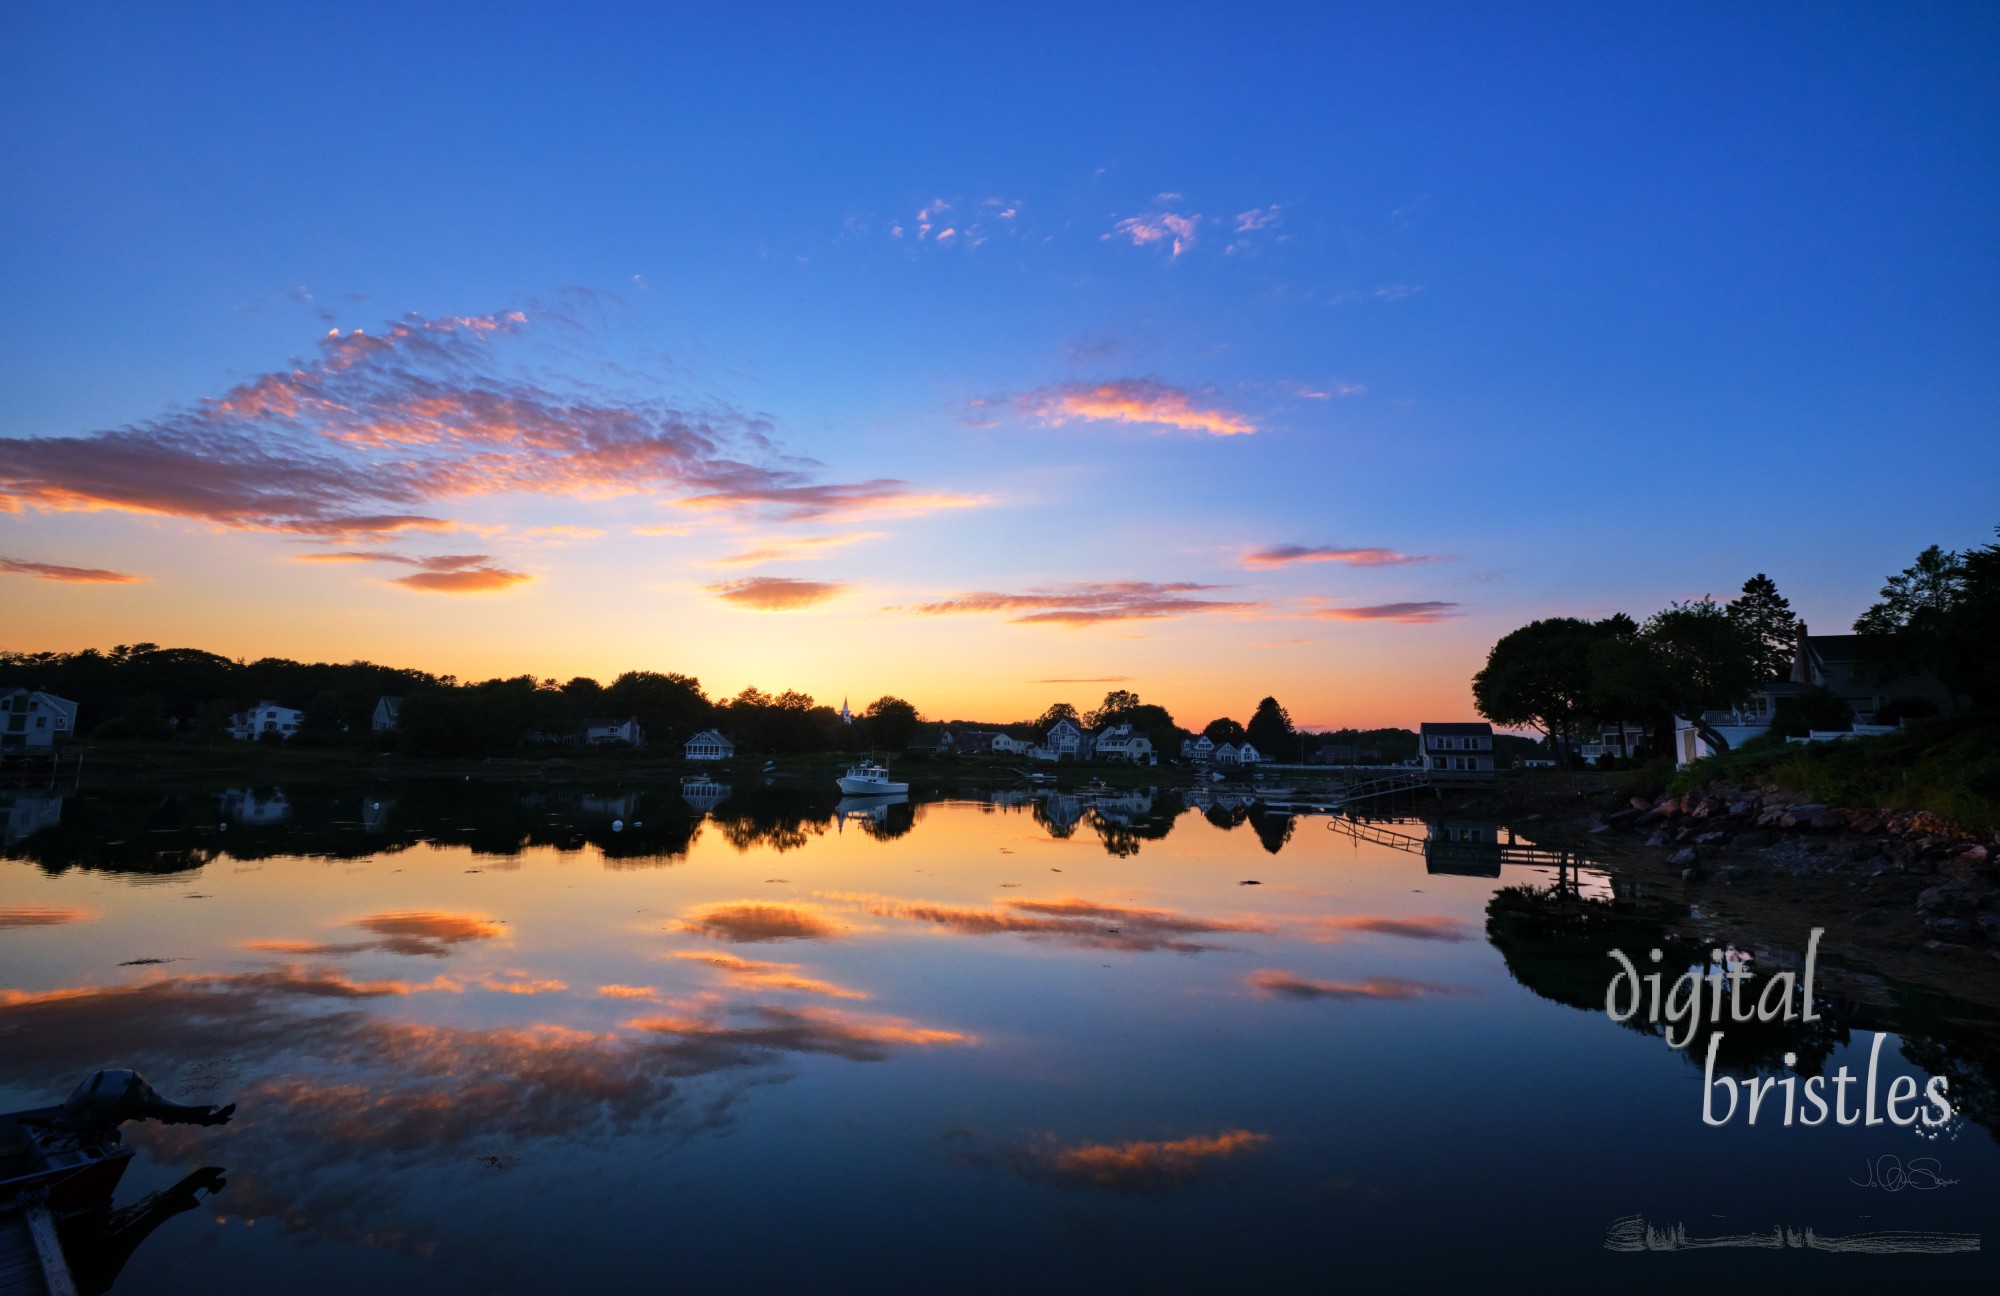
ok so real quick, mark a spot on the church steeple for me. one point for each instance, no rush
(846, 716)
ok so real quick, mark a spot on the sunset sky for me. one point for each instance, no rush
(983, 358)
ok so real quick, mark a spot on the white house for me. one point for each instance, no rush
(606, 730)
(1066, 738)
(708, 745)
(1119, 742)
(388, 714)
(31, 720)
(1458, 750)
(1200, 749)
(266, 717)
(1009, 745)
(1250, 755)
(1227, 754)
(249, 806)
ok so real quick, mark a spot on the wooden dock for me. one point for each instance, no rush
(31, 1255)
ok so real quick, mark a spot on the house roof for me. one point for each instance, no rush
(1842, 648)
(609, 722)
(714, 734)
(1456, 729)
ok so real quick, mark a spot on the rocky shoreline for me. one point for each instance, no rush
(1727, 832)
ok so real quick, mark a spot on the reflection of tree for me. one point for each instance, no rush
(1121, 832)
(1226, 816)
(1559, 946)
(781, 818)
(1274, 830)
(895, 821)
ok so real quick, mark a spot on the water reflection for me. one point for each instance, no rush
(22, 814)
(1018, 1020)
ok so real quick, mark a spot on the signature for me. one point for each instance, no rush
(1890, 1174)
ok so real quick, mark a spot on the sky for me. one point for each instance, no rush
(984, 358)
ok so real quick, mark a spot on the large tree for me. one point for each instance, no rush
(1270, 730)
(1223, 730)
(1710, 661)
(1766, 616)
(1539, 676)
(890, 723)
(1968, 659)
(1906, 626)
(1118, 705)
(1058, 711)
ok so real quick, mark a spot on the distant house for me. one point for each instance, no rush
(1345, 754)
(1066, 738)
(388, 714)
(976, 742)
(933, 738)
(31, 721)
(1121, 742)
(1199, 749)
(266, 717)
(1616, 740)
(1456, 751)
(1227, 754)
(708, 745)
(1007, 744)
(605, 731)
(1842, 666)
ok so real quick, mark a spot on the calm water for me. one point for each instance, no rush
(490, 1038)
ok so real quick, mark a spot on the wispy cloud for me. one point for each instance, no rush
(1145, 1167)
(1284, 554)
(423, 932)
(1086, 603)
(881, 497)
(754, 922)
(1065, 921)
(1128, 400)
(33, 916)
(776, 593)
(436, 574)
(794, 547)
(1421, 613)
(1159, 224)
(761, 975)
(1286, 986)
(1428, 927)
(1087, 679)
(379, 432)
(74, 575)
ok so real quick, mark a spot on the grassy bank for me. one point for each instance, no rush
(1948, 765)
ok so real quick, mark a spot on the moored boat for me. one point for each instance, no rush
(74, 1152)
(869, 779)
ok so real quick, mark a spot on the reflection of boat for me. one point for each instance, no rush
(867, 809)
(869, 779)
(74, 1151)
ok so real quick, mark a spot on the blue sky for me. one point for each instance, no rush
(1594, 308)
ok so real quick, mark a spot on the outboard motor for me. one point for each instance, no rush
(110, 1098)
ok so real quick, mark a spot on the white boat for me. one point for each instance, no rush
(869, 779)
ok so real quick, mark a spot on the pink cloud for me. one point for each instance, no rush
(1412, 613)
(1087, 603)
(1284, 554)
(72, 575)
(776, 593)
(1133, 400)
(379, 432)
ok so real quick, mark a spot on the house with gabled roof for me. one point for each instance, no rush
(1456, 750)
(708, 745)
(1122, 742)
(32, 720)
(609, 731)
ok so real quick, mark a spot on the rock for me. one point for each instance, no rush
(1710, 838)
(1944, 899)
(1659, 838)
(1732, 873)
(1828, 821)
(1742, 807)
(1975, 855)
(1685, 855)
(1690, 874)
(1640, 804)
(1772, 818)
(1949, 928)
(1865, 822)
